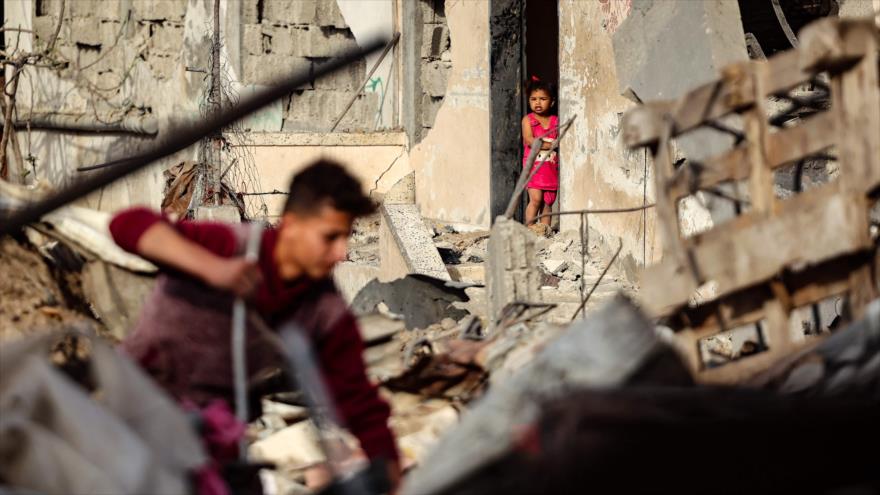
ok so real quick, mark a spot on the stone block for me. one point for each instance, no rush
(313, 110)
(555, 267)
(511, 274)
(102, 9)
(429, 108)
(433, 11)
(351, 277)
(168, 36)
(158, 10)
(348, 78)
(44, 26)
(858, 9)
(269, 68)
(163, 65)
(252, 39)
(288, 40)
(404, 236)
(85, 30)
(328, 14)
(329, 42)
(435, 41)
(434, 78)
(223, 213)
(290, 11)
(294, 447)
(362, 115)
(249, 12)
(403, 192)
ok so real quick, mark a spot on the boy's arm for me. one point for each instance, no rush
(197, 250)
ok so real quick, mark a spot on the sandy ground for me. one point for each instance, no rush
(31, 299)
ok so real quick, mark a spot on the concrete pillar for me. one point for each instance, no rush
(511, 270)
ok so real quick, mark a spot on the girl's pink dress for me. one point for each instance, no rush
(547, 178)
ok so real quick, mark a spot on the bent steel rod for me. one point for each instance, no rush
(179, 137)
(527, 173)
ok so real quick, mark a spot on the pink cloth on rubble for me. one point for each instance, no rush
(221, 432)
(547, 177)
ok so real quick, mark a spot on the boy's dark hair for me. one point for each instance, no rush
(535, 84)
(326, 182)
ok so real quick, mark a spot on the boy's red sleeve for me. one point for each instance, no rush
(365, 413)
(129, 225)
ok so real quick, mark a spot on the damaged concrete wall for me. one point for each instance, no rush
(119, 60)
(379, 160)
(452, 161)
(130, 59)
(596, 171)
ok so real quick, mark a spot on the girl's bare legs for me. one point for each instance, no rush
(546, 210)
(536, 202)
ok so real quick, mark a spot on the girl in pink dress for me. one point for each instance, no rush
(540, 124)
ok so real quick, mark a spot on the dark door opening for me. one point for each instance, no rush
(541, 58)
(524, 42)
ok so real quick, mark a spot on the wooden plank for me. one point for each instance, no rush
(785, 72)
(828, 279)
(782, 148)
(856, 100)
(762, 247)
(667, 214)
(731, 92)
(747, 367)
(825, 44)
(762, 196)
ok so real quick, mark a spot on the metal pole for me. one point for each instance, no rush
(239, 338)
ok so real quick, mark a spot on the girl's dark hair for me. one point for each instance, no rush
(326, 182)
(534, 84)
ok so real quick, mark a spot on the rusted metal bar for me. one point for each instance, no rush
(596, 211)
(146, 125)
(598, 281)
(525, 176)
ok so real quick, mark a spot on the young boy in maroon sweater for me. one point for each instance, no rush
(182, 337)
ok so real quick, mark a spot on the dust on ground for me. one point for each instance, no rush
(31, 297)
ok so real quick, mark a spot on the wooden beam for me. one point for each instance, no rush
(762, 247)
(782, 148)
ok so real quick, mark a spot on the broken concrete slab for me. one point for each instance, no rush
(422, 300)
(618, 346)
(474, 273)
(662, 41)
(510, 274)
(351, 277)
(555, 267)
(223, 213)
(403, 192)
(405, 245)
(294, 447)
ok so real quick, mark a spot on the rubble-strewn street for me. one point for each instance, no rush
(428, 247)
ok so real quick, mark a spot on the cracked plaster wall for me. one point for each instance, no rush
(452, 160)
(596, 171)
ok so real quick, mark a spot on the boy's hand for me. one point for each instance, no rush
(235, 275)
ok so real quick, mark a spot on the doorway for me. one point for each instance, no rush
(524, 42)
